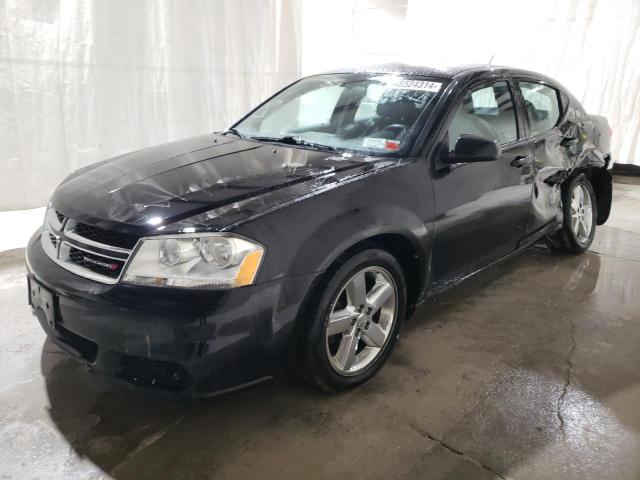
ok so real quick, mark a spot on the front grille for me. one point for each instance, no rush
(153, 373)
(88, 251)
(99, 264)
(106, 237)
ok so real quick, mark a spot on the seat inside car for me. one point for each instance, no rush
(400, 115)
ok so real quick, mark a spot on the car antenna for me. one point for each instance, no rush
(491, 60)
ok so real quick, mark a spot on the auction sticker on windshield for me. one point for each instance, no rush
(423, 85)
(382, 143)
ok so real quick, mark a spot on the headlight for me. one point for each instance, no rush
(207, 260)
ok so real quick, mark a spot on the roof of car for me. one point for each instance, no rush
(405, 69)
(442, 72)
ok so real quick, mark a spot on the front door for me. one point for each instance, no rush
(481, 207)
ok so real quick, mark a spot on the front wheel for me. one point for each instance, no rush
(579, 217)
(355, 323)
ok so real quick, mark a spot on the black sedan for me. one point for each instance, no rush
(302, 237)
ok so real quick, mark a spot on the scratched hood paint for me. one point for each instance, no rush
(207, 182)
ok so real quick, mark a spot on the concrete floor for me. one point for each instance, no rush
(530, 370)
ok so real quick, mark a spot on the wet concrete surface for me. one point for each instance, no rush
(529, 370)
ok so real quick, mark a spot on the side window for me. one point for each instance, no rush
(542, 106)
(487, 112)
(311, 108)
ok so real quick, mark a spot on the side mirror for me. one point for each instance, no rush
(473, 148)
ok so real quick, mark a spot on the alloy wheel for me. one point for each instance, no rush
(361, 318)
(581, 213)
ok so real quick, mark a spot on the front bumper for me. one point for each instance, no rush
(188, 342)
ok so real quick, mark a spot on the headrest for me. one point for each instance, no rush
(533, 112)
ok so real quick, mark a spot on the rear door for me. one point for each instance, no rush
(550, 132)
(481, 208)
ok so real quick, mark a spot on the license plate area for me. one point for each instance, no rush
(43, 299)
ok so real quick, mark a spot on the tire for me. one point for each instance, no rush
(573, 237)
(336, 322)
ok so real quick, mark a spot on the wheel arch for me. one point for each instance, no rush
(602, 183)
(404, 247)
(405, 251)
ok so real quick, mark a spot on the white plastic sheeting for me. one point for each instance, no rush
(83, 80)
(590, 46)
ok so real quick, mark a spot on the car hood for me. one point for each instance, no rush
(205, 182)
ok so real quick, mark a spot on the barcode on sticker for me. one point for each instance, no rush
(419, 85)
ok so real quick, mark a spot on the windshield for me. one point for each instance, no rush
(366, 114)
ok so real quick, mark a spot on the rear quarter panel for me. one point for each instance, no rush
(601, 134)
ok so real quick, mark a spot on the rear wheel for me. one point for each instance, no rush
(579, 217)
(355, 323)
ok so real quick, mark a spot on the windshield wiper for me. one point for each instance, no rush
(291, 140)
(234, 131)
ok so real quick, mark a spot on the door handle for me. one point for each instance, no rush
(520, 161)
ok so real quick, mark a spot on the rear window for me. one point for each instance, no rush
(542, 106)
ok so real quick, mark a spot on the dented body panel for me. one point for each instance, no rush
(307, 207)
(208, 182)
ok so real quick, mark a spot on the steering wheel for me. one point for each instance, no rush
(402, 129)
